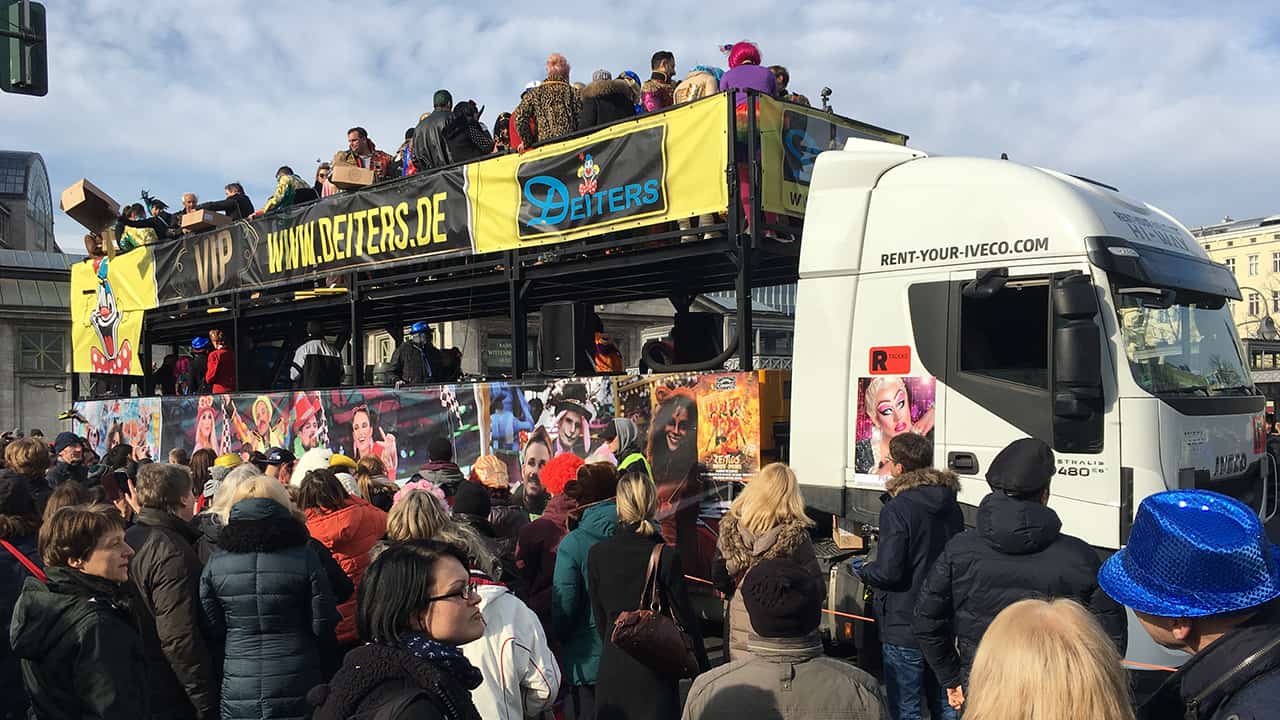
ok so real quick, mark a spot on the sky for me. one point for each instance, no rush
(1175, 103)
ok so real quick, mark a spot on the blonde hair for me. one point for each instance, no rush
(419, 516)
(772, 498)
(558, 67)
(874, 387)
(637, 502)
(1050, 660)
(224, 496)
(262, 486)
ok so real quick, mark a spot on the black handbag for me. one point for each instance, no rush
(654, 638)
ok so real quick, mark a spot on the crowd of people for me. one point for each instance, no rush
(453, 132)
(296, 587)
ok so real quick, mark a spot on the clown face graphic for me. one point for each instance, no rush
(113, 357)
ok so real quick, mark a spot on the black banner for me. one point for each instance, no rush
(805, 135)
(614, 179)
(420, 216)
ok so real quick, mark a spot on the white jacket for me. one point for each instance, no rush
(521, 678)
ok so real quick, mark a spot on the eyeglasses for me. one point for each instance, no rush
(464, 594)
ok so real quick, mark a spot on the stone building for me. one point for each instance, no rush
(35, 341)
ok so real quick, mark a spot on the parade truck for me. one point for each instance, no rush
(974, 301)
(979, 301)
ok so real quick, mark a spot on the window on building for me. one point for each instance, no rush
(40, 352)
(1275, 301)
(1230, 243)
(1206, 247)
(987, 345)
(1253, 265)
(1253, 239)
(1231, 265)
(1254, 304)
(775, 342)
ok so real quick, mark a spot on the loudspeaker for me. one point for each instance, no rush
(566, 340)
(697, 336)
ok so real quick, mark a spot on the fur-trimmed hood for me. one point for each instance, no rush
(741, 549)
(267, 529)
(923, 477)
(601, 88)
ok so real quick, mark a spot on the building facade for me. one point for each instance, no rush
(35, 321)
(1251, 250)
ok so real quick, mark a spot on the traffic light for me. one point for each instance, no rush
(25, 48)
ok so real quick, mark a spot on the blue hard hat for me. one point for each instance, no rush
(419, 327)
(200, 343)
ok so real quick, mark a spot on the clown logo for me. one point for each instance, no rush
(589, 174)
(112, 357)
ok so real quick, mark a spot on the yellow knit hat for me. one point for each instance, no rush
(338, 460)
(228, 460)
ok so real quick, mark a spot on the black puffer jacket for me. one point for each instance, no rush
(1237, 677)
(166, 574)
(267, 599)
(210, 527)
(1017, 551)
(915, 525)
(81, 653)
(374, 674)
(13, 575)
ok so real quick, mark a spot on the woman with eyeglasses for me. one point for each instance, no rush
(417, 604)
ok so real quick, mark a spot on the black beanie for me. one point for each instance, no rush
(783, 599)
(439, 449)
(472, 499)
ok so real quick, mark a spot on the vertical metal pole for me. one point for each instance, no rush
(146, 386)
(747, 243)
(237, 348)
(733, 214)
(357, 335)
(519, 320)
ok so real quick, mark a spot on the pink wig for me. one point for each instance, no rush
(558, 67)
(744, 53)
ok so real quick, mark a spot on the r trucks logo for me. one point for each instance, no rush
(969, 251)
(895, 360)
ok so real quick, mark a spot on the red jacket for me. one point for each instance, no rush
(221, 371)
(349, 533)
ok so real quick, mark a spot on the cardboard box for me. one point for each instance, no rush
(89, 206)
(201, 220)
(349, 177)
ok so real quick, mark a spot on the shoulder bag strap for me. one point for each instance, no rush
(649, 594)
(26, 562)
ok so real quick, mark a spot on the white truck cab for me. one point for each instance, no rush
(980, 301)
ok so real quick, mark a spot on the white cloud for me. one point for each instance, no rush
(1170, 102)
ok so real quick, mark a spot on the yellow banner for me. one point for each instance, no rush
(108, 297)
(791, 136)
(658, 168)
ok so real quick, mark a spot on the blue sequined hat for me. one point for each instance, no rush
(1193, 553)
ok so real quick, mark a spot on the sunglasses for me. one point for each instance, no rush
(464, 594)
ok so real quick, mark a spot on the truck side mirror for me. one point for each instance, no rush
(987, 283)
(1076, 389)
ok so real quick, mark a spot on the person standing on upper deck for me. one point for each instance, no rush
(658, 92)
(361, 152)
(551, 109)
(237, 205)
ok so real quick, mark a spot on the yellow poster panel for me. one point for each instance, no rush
(656, 168)
(791, 136)
(108, 297)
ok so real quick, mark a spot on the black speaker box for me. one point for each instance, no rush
(566, 340)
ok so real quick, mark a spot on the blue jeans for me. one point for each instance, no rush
(908, 679)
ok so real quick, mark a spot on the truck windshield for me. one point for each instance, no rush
(1182, 349)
